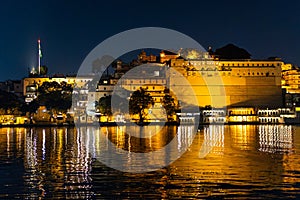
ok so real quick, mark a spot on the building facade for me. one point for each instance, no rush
(231, 83)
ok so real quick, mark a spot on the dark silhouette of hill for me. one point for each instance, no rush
(230, 52)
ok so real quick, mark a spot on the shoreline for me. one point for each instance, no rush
(146, 124)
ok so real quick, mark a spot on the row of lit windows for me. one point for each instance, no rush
(149, 81)
(248, 65)
(134, 88)
(202, 63)
(213, 112)
(292, 77)
(241, 112)
(84, 81)
(92, 95)
(294, 81)
(214, 119)
(229, 73)
(267, 120)
(257, 73)
(105, 88)
(269, 112)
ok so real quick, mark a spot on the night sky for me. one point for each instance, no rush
(69, 30)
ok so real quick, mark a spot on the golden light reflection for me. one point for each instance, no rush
(19, 136)
(8, 142)
(55, 162)
(213, 141)
(243, 136)
(185, 136)
(131, 138)
(44, 144)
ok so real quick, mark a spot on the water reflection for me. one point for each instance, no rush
(213, 142)
(275, 138)
(56, 161)
(243, 137)
(242, 161)
(118, 149)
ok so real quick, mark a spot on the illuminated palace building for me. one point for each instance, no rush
(247, 83)
(235, 84)
(219, 83)
(254, 83)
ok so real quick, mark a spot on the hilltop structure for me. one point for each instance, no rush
(238, 81)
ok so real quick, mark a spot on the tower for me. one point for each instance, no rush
(39, 56)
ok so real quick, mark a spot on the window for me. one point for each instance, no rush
(104, 88)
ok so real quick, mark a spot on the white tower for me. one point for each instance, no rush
(39, 56)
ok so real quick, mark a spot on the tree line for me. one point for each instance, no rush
(57, 97)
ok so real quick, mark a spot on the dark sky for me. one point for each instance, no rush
(69, 30)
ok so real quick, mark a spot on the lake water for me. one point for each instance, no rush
(238, 161)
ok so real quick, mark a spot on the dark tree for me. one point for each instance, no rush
(104, 105)
(66, 88)
(139, 101)
(169, 105)
(231, 51)
(56, 100)
(30, 107)
(47, 87)
(9, 102)
(55, 96)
